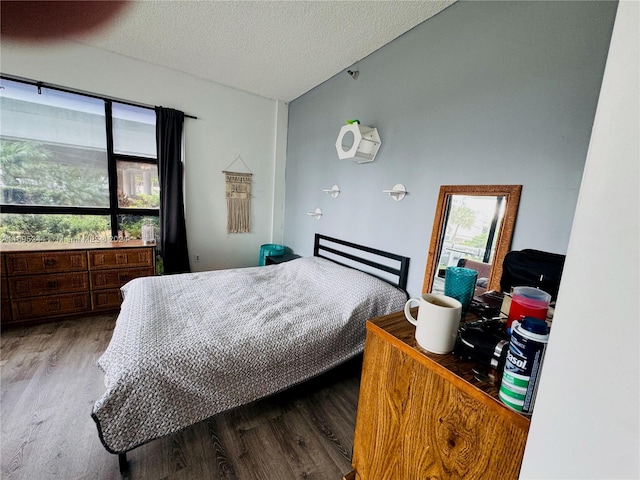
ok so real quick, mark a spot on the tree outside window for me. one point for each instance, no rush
(65, 176)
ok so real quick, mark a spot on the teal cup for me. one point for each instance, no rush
(460, 283)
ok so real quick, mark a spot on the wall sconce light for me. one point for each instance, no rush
(398, 192)
(333, 192)
(317, 214)
(358, 142)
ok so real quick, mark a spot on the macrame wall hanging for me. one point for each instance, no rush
(238, 193)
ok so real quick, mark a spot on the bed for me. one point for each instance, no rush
(189, 346)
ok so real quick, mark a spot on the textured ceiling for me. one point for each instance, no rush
(275, 49)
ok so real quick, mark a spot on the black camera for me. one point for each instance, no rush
(484, 341)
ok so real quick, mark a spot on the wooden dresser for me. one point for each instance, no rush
(423, 415)
(5, 307)
(42, 282)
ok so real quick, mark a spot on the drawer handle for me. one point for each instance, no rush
(51, 284)
(49, 262)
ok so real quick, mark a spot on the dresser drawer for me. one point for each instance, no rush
(45, 262)
(51, 306)
(122, 257)
(5, 306)
(4, 288)
(33, 285)
(5, 311)
(106, 299)
(102, 279)
(3, 266)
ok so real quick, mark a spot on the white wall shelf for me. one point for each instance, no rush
(398, 192)
(317, 214)
(333, 192)
(365, 146)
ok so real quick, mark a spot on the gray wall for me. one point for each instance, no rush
(483, 93)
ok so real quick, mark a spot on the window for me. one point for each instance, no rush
(74, 167)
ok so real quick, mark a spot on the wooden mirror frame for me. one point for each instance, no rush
(503, 241)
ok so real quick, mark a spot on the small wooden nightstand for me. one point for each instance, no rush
(272, 260)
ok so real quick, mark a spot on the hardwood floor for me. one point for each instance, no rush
(50, 381)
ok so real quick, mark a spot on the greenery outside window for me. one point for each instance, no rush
(138, 185)
(74, 167)
(59, 228)
(131, 225)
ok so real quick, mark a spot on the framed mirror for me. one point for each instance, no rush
(472, 227)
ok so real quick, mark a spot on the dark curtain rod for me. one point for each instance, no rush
(80, 92)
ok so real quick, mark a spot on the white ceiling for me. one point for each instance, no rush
(275, 49)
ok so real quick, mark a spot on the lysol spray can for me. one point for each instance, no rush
(527, 347)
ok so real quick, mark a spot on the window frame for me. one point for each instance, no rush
(114, 210)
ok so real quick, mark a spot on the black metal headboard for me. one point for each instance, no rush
(402, 272)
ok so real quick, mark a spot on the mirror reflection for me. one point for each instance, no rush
(472, 228)
(468, 237)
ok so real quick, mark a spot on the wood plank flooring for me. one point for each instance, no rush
(50, 381)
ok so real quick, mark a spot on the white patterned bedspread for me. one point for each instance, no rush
(189, 346)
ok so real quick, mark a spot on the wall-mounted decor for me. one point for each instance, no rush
(505, 200)
(238, 194)
(358, 142)
(398, 192)
(317, 214)
(333, 192)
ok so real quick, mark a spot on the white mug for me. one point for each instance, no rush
(437, 323)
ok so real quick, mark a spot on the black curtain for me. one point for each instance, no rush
(173, 234)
